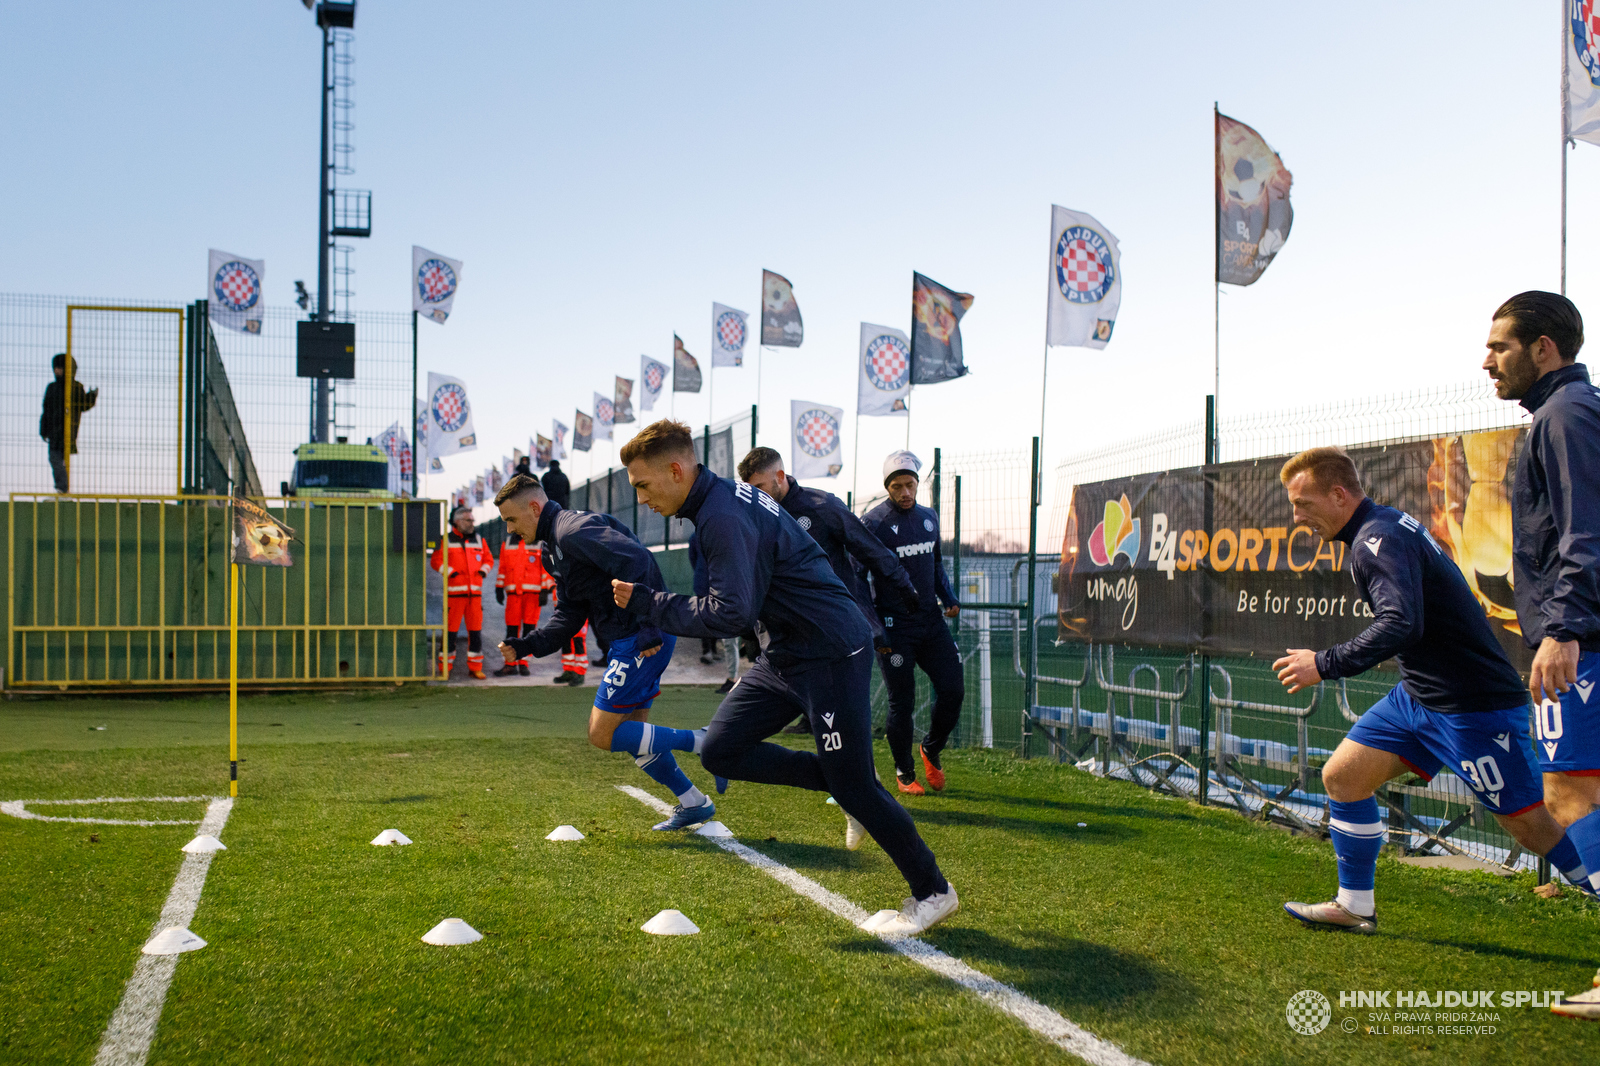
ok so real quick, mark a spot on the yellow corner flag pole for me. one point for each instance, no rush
(233, 683)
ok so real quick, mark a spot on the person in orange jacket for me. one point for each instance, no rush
(469, 561)
(523, 585)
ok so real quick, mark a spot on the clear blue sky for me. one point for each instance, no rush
(607, 171)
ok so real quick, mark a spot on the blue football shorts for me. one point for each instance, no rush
(1489, 750)
(1567, 731)
(633, 681)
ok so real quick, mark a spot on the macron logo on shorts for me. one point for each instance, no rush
(1504, 740)
(1584, 688)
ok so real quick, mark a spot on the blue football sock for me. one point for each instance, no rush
(1585, 837)
(642, 738)
(1564, 857)
(1357, 833)
(664, 769)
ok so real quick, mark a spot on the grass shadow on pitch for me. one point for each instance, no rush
(1478, 947)
(1066, 828)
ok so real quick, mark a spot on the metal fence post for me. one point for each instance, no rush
(755, 422)
(1203, 785)
(1031, 682)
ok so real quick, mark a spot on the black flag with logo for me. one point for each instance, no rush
(936, 331)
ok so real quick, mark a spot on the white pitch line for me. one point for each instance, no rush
(127, 1038)
(19, 809)
(1041, 1019)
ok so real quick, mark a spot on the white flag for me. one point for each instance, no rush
(1580, 88)
(602, 417)
(652, 378)
(393, 442)
(885, 371)
(1085, 280)
(449, 417)
(817, 446)
(433, 283)
(728, 332)
(235, 291)
(558, 449)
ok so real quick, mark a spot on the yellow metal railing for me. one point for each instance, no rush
(106, 590)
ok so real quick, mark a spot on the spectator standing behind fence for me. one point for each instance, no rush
(555, 484)
(54, 417)
(470, 561)
(522, 586)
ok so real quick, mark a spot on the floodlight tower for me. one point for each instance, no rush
(351, 216)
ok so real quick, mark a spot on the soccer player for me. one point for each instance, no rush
(583, 551)
(470, 561)
(1459, 702)
(1534, 339)
(762, 565)
(921, 637)
(844, 540)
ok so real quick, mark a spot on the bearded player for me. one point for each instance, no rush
(1459, 702)
(583, 552)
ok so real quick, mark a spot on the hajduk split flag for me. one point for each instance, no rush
(582, 431)
(434, 279)
(622, 406)
(1580, 83)
(1085, 280)
(686, 368)
(818, 449)
(780, 315)
(603, 417)
(258, 538)
(652, 379)
(449, 417)
(542, 451)
(235, 291)
(728, 330)
(398, 449)
(885, 371)
(936, 331)
(1253, 212)
(558, 440)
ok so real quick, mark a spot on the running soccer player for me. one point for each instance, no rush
(920, 637)
(583, 551)
(762, 565)
(844, 540)
(1534, 340)
(1459, 702)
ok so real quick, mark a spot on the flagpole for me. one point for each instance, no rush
(413, 403)
(233, 682)
(909, 390)
(1565, 140)
(1044, 374)
(1214, 444)
(855, 463)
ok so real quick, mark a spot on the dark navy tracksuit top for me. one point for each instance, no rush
(913, 536)
(759, 564)
(1555, 541)
(583, 552)
(844, 539)
(1424, 616)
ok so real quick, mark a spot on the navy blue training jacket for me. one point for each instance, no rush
(759, 565)
(583, 552)
(913, 536)
(1424, 616)
(844, 540)
(1555, 540)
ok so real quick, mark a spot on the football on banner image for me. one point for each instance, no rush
(1253, 212)
(235, 291)
(652, 379)
(936, 331)
(449, 417)
(582, 431)
(686, 368)
(434, 279)
(258, 538)
(885, 381)
(1085, 280)
(818, 447)
(622, 406)
(728, 330)
(542, 452)
(780, 315)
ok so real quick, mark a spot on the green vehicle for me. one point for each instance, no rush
(340, 470)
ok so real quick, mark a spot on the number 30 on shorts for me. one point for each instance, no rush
(1484, 775)
(831, 742)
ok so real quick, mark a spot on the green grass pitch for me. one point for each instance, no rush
(1157, 926)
